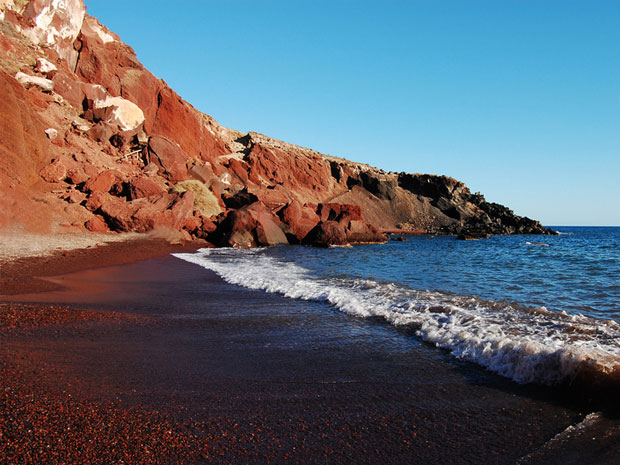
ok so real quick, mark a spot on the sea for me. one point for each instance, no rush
(535, 309)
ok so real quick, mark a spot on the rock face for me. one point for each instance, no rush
(90, 139)
(53, 23)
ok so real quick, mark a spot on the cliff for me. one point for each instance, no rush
(91, 140)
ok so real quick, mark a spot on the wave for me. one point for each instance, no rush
(526, 344)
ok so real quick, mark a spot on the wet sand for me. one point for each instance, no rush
(160, 361)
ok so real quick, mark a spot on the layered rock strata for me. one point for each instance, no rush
(92, 140)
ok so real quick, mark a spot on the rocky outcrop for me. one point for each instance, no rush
(300, 219)
(51, 23)
(342, 225)
(250, 226)
(326, 234)
(91, 140)
(142, 215)
(169, 157)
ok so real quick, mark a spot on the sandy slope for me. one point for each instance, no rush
(14, 244)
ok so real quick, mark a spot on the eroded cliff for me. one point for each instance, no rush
(92, 140)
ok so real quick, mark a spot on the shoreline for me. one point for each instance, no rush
(177, 366)
(26, 274)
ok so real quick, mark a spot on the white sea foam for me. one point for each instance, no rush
(523, 343)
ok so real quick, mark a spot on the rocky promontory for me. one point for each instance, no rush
(91, 140)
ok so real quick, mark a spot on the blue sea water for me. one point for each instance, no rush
(577, 271)
(538, 309)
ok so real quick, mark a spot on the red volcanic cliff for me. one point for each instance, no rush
(90, 139)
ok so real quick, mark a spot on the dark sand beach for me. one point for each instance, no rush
(160, 361)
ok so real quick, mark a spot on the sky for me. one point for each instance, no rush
(519, 99)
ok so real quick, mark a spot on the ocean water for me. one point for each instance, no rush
(536, 309)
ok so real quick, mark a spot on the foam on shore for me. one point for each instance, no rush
(526, 344)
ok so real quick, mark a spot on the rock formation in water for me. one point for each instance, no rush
(91, 140)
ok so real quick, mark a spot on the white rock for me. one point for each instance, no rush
(226, 179)
(6, 5)
(92, 26)
(127, 115)
(51, 133)
(44, 66)
(81, 125)
(55, 23)
(27, 80)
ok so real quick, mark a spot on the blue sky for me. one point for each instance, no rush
(518, 99)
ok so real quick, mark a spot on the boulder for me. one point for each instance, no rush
(118, 112)
(301, 219)
(96, 224)
(168, 156)
(102, 132)
(28, 81)
(326, 234)
(360, 232)
(171, 210)
(239, 200)
(76, 176)
(207, 226)
(92, 93)
(54, 172)
(94, 202)
(203, 173)
(351, 227)
(268, 230)
(51, 133)
(116, 212)
(251, 226)
(144, 187)
(46, 67)
(74, 196)
(142, 215)
(105, 182)
(239, 169)
(193, 223)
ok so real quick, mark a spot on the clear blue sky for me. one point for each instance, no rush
(519, 99)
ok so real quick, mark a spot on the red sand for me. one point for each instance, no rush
(23, 275)
(121, 385)
(38, 425)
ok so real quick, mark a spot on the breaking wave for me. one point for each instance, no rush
(526, 344)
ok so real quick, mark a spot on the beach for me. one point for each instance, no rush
(150, 359)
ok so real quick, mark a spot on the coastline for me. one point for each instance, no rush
(175, 366)
(27, 273)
